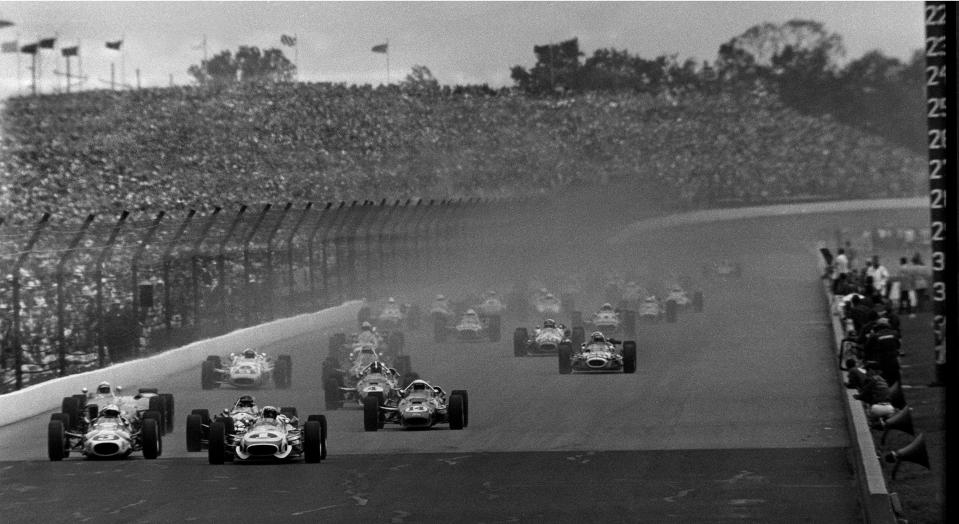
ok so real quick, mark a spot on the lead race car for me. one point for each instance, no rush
(248, 369)
(245, 433)
(110, 434)
(419, 405)
(599, 354)
(545, 340)
(86, 404)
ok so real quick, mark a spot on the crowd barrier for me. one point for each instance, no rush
(46, 396)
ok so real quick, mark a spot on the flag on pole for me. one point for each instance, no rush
(5, 23)
(382, 48)
(30, 49)
(47, 43)
(115, 45)
(8, 47)
(288, 40)
(70, 51)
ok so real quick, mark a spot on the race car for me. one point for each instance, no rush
(87, 404)
(109, 434)
(419, 405)
(274, 435)
(545, 340)
(678, 300)
(393, 315)
(609, 321)
(546, 304)
(470, 327)
(599, 354)
(248, 369)
(723, 269)
(391, 343)
(491, 305)
(650, 309)
(243, 413)
(352, 381)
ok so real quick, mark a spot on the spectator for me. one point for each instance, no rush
(907, 287)
(879, 275)
(841, 263)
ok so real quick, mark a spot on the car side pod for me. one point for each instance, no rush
(629, 356)
(565, 354)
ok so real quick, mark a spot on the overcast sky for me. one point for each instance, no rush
(460, 42)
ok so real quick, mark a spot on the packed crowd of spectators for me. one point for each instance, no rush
(183, 148)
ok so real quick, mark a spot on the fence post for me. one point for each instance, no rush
(289, 249)
(61, 328)
(194, 264)
(134, 270)
(269, 259)
(165, 260)
(314, 297)
(15, 330)
(247, 243)
(101, 348)
(337, 253)
(221, 267)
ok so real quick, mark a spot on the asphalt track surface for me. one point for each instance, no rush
(733, 414)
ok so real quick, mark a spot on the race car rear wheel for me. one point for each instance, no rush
(439, 328)
(208, 374)
(671, 309)
(371, 414)
(56, 440)
(520, 339)
(216, 360)
(289, 411)
(629, 356)
(168, 401)
(494, 329)
(156, 405)
(576, 319)
(312, 442)
(565, 353)
(217, 448)
(323, 429)
(194, 433)
(93, 410)
(71, 406)
(337, 341)
(466, 405)
(281, 374)
(204, 415)
(579, 336)
(332, 393)
(455, 410)
(150, 438)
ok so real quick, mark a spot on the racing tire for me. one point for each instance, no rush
(71, 406)
(698, 302)
(168, 402)
(217, 449)
(520, 339)
(493, 326)
(629, 356)
(579, 336)
(289, 411)
(455, 410)
(194, 433)
(466, 405)
(671, 310)
(147, 390)
(56, 440)
(82, 399)
(93, 411)
(330, 369)
(227, 422)
(333, 396)
(62, 417)
(208, 374)
(281, 374)
(403, 365)
(323, 433)
(408, 378)
(629, 323)
(216, 360)
(154, 415)
(150, 439)
(439, 328)
(371, 414)
(337, 341)
(156, 405)
(204, 415)
(576, 319)
(564, 354)
(312, 442)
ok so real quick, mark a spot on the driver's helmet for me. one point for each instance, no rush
(550, 323)
(597, 337)
(491, 293)
(249, 353)
(391, 300)
(111, 411)
(543, 291)
(470, 312)
(366, 326)
(246, 401)
(103, 388)
(549, 296)
(270, 412)
(606, 307)
(440, 297)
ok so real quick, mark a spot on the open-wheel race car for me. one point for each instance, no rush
(247, 369)
(678, 300)
(392, 316)
(545, 340)
(250, 434)
(599, 354)
(650, 309)
(725, 268)
(609, 321)
(389, 343)
(471, 326)
(111, 427)
(361, 381)
(418, 405)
